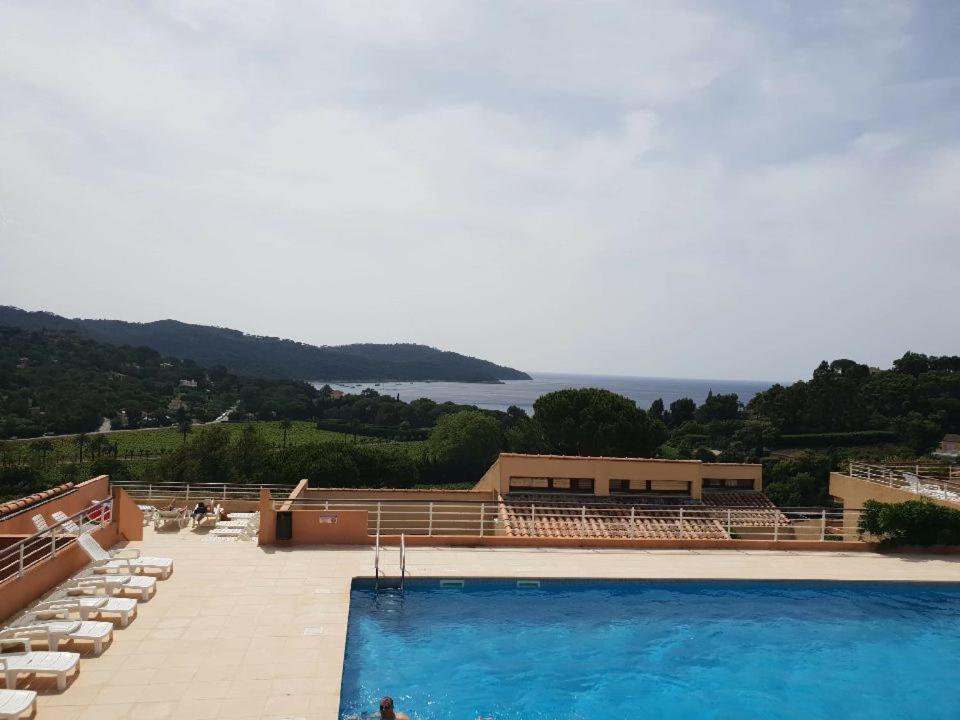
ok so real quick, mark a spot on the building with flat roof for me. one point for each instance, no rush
(612, 476)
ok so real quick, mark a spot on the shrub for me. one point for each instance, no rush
(836, 439)
(915, 522)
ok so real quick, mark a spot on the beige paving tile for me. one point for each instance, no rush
(287, 705)
(114, 711)
(153, 710)
(193, 709)
(226, 636)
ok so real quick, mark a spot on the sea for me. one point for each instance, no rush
(523, 393)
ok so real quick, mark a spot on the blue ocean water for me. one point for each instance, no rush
(659, 650)
(523, 393)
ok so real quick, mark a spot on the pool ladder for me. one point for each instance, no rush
(376, 561)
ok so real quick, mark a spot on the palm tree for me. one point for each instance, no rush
(80, 440)
(44, 447)
(184, 424)
(96, 446)
(285, 425)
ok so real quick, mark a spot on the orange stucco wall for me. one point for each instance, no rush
(126, 524)
(313, 526)
(71, 503)
(16, 594)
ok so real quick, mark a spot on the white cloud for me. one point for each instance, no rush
(664, 189)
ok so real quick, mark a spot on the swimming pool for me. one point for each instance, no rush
(657, 650)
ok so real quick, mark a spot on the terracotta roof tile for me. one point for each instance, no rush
(19, 504)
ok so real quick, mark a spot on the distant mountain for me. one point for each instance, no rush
(272, 357)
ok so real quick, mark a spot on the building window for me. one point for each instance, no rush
(557, 485)
(727, 484)
(658, 487)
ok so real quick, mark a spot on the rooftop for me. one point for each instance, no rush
(241, 631)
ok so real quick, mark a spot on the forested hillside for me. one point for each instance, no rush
(274, 357)
(59, 382)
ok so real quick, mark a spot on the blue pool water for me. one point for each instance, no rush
(655, 650)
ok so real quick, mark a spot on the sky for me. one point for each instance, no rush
(679, 189)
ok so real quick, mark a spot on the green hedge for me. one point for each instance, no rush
(837, 439)
(915, 522)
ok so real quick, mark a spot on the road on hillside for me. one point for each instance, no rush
(222, 418)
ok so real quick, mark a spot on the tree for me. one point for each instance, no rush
(591, 421)
(918, 432)
(681, 411)
(755, 434)
(465, 444)
(184, 424)
(285, 425)
(656, 410)
(80, 441)
(718, 407)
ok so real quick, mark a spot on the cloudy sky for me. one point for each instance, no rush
(719, 190)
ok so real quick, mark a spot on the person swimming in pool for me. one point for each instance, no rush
(388, 713)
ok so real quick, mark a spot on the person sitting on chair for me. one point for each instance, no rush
(199, 512)
(387, 712)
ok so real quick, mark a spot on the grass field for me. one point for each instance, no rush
(155, 442)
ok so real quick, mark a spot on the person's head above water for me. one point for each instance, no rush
(386, 708)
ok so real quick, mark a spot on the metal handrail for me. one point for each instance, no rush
(901, 477)
(23, 554)
(222, 491)
(376, 563)
(440, 518)
(403, 559)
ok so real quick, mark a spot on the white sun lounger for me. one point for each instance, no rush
(104, 562)
(56, 631)
(149, 512)
(162, 518)
(87, 608)
(40, 523)
(14, 703)
(64, 521)
(143, 586)
(32, 662)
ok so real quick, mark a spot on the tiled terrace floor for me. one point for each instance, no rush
(240, 631)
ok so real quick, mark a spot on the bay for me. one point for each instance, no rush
(523, 393)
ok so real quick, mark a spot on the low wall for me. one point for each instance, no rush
(70, 503)
(375, 494)
(37, 580)
(229, 506)
(313, 526)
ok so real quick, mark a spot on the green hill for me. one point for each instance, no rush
(58, 381)
(272, 357)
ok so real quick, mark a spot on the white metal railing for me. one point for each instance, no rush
(906, 477)
(403, 559)
(376, 562)
(200, 491)
(392, 518)
(943, 471)
(17, 558)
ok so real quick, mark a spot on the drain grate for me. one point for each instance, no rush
(451, 583)
(528, 584)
